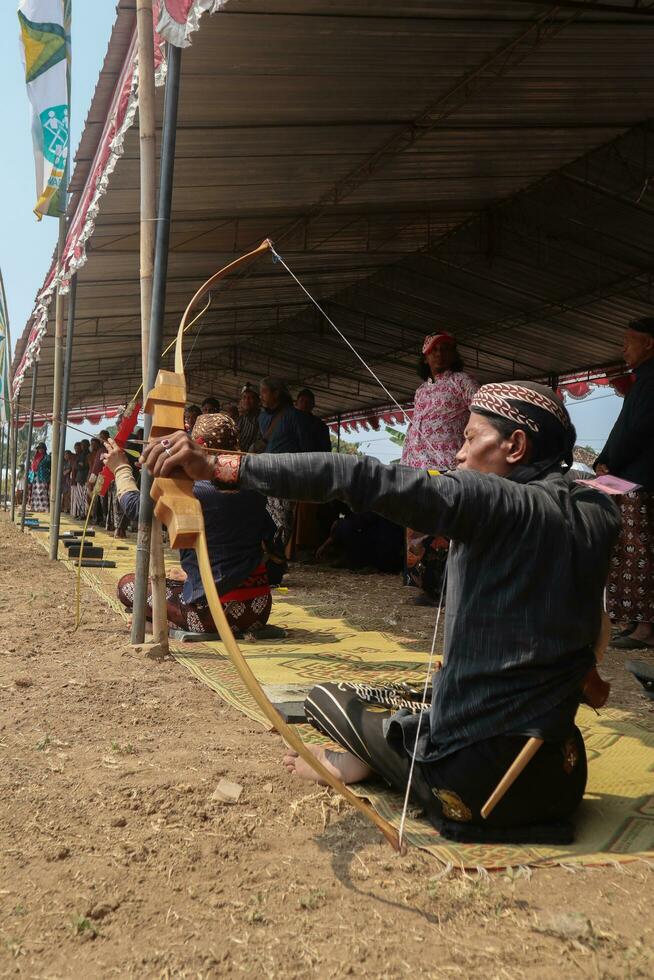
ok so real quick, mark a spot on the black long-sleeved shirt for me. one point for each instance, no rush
(629, 450)
(526, 572)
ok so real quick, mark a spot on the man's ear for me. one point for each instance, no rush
(518, 447)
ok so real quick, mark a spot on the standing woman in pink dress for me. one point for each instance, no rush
(440, 412)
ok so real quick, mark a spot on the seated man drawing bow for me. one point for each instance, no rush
(526, 573)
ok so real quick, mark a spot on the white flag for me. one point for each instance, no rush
(45, 46)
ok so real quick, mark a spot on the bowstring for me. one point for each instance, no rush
(279, 259)
(424, 711)
(430, 664)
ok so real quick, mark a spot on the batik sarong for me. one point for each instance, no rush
(247, 607)
(630, 590)
(38, 499)
(283, 514)
(78, 500)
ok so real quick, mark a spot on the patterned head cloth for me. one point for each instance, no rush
(434, 339)
(538, 410)
(216, 432)
(527, 404)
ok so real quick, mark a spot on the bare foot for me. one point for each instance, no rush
(345, 766)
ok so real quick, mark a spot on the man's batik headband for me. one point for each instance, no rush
(497, 399)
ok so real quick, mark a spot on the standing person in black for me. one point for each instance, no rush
(321, 439)
(527, 567)
(629, 454)
(312, 521)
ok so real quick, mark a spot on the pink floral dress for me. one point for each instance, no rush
(440, 413)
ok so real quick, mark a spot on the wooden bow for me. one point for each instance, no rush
(178, 508)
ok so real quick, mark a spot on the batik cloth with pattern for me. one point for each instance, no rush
(630, 590)
(78, 503)
(282, 513)
(451, 792)
(247, 607)
(38, 497)
(441, 410)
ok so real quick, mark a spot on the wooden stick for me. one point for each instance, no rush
(527, 752)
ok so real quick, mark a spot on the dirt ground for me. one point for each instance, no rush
(115, 860)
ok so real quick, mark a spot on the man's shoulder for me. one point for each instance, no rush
(588, 501)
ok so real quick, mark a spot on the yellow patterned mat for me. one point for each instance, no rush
(616, 820)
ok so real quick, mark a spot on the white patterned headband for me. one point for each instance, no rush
(497, 399)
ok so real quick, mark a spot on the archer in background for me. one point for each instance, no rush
(236, 525)
(526, 574)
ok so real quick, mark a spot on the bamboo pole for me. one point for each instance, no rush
(28, 449)
(14, 458)
(5, 502)
(154, 268)
(57, 374)
(148, 165)
(7, 354)
(2, 457)
(55, 512)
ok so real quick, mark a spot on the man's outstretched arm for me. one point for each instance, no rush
(456, 504)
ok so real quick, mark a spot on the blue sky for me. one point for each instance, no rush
(26, 246)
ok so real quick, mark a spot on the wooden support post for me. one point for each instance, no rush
(58, 371)
(4, 468)
(14, 458)
(154, 242)
(148, 169)
(2, 456)
(55, 512)
(28, 449)
(7, 464)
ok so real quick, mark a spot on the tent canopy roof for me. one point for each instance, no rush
(481, 167)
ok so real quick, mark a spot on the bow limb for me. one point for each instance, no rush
(265, 246)
(291, 738)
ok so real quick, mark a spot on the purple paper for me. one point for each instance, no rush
(610, 484)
